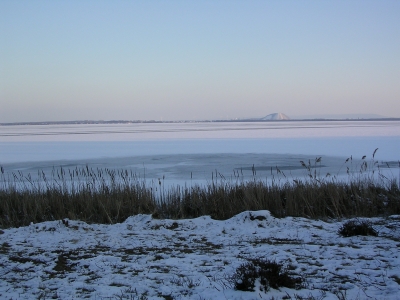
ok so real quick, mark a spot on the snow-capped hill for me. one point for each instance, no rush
(276, 116)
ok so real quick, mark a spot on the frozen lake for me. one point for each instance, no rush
(194, 152)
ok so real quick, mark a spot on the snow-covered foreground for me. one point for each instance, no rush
(195, 259)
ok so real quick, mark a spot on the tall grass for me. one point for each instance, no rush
(110, 196)
(101, 196)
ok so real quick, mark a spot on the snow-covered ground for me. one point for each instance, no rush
(195, 259)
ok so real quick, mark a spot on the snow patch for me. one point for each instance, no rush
(193, 258)
(276, 116)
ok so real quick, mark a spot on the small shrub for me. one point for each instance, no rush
(355, 227)
(245, 277)
(269, 273)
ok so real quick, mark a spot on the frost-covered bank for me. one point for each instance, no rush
(147, 258)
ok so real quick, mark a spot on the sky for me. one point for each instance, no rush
(195, 60)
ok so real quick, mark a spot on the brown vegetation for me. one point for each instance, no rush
(109, 196)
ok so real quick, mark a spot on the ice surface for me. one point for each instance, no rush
(73, 144)
(183, 151)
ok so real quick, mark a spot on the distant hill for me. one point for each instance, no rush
(276, 116)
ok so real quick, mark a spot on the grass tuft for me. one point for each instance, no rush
(270, 274)
(356, 227)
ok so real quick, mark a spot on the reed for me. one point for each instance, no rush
(110, 196)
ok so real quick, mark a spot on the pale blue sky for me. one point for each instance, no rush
(174, 60)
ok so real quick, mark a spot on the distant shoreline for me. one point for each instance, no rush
(91, 122)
